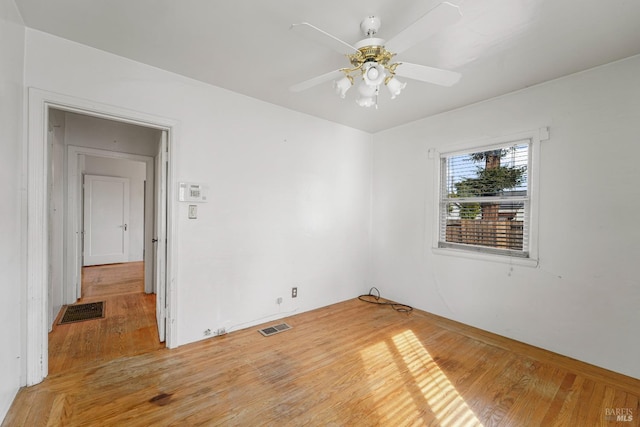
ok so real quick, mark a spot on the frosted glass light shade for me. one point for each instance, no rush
(366, 101)
(342, 86)
(395, 86)
(374, 74)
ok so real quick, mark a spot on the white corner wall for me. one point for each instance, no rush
(12, 283)
(289, 194)
(583, 300)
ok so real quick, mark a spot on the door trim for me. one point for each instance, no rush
(36, 155)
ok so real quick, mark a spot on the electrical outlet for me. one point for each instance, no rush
(279, 300)
(294, 292)
(207, 332)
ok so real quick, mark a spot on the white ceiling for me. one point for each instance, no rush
(245, 45)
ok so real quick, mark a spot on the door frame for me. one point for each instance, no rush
(36, 167)
(75, 168)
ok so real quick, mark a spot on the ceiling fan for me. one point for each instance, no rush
(371, 57)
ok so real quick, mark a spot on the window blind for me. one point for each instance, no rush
(484, 199)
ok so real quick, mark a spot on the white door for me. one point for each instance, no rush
(106, 219)
(160, 241)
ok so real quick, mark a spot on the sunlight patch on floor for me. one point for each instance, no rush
(407, 386)
(442, 397)
(393, 402)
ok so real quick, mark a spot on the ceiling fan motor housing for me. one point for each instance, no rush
(370, 50)
(370, 25)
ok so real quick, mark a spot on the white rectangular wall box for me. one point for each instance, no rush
(192, 192)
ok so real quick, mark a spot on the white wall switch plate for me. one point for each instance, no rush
(193, 211)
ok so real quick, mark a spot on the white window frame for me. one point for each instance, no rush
(535, 137)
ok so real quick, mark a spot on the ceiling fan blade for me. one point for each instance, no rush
(428, 74)
(308, 84)
(436, 19)
(315, 34)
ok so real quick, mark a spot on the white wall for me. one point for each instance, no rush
(12, 283)
(136, 172)
(289, 195)
(103, 134)
(583, 300)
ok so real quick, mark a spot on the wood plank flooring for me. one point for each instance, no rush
(349, 364)
(128, 328)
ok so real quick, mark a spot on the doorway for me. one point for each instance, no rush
(140, 232)
(40, 256)
(111, 220)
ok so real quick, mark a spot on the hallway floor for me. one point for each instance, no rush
(128, 328)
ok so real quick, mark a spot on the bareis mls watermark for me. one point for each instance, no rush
(618, 414)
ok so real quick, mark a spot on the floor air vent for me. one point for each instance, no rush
(80, 312)
(275, 329)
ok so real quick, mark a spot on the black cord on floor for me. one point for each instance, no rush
(402, 308)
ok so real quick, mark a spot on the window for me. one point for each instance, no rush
(485, 199)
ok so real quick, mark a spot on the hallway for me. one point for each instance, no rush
(128, 327)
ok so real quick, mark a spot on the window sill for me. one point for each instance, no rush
(526, 262)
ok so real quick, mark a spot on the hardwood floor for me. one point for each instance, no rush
(349, 364)
(128, 328)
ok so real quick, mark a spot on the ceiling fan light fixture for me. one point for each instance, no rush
(395, 86)
(372, 59)
(343, 85)
(373, 74)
